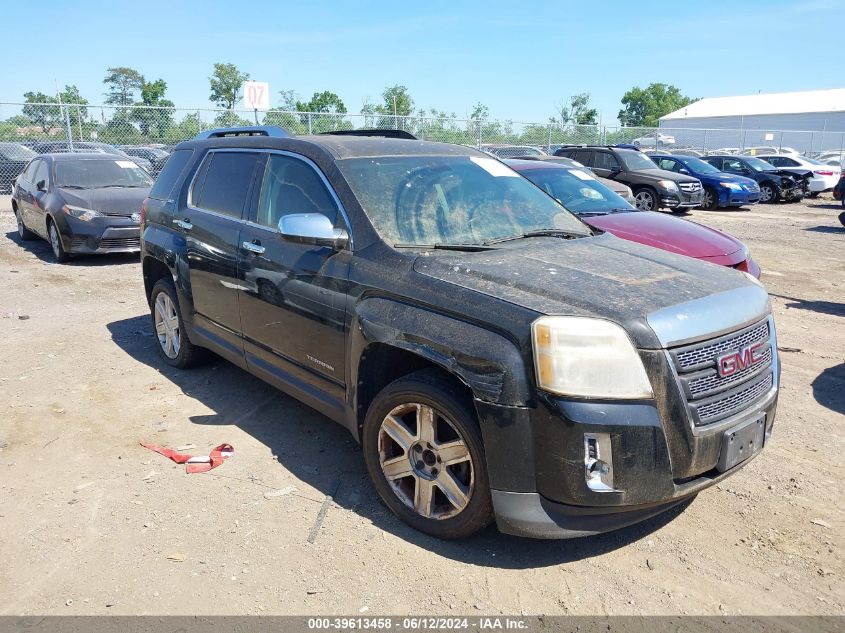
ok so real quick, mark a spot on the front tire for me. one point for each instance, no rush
(423, 451)
(169, 328)
(645, 200)
(56, 245)
(710, 199)
(769, 194)
(24, 233)
(842, 216)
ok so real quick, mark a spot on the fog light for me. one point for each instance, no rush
(598, 462)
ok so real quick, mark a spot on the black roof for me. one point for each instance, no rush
(339, 146)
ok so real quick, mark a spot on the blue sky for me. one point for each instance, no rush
(519, 58)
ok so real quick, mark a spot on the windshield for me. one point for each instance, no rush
(13, 151)
(424, 200)
(95, 173)
(699, 166)
(634, 160)
(759, 165)
(812, 161)
(577, 191)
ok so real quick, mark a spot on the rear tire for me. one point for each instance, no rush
(24, 233)
(423, 451)
(56, 245)
(172, 341)
(710, 199)
(842, 216)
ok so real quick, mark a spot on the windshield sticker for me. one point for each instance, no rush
(494, 167)
(578, 173)
(126, 164)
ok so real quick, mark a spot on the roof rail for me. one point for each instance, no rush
(248, 130)
(384, 133)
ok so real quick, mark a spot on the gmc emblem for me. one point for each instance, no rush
(733, 362)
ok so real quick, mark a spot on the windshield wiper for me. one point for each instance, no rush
(71, 187)
(446, 247)
(569, 235)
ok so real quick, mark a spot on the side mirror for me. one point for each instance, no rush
(312, 228)
(684, 171)
(41, 185)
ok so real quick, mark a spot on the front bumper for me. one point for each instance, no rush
(535, 458)
(683, 200)
(733, 198)
(100, 235)
(794, 193)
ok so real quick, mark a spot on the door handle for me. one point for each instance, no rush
(184, 224)
(253, 247)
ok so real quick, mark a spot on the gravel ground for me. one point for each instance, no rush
(93, 523)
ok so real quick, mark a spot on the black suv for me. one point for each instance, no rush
(653, 187)
(495, 358)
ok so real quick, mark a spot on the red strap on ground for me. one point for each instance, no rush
(195, 464)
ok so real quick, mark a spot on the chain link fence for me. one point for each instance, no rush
(148, 133)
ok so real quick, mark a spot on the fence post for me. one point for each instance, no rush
(781, 141)
(704, 142)
(309, 123)
(549, 144)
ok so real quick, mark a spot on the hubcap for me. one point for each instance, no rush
(645, 202)
(426, 461)
(708, 199)
(167, 325)
(765, 194)
(20, 224)
(54, 240)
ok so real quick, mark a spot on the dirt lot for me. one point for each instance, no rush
(92, 523)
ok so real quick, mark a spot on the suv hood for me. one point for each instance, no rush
(604, 277)
(665, 174)
(125, 201)
(669, 233)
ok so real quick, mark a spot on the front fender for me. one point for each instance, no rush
(171, 249)
(490, 364)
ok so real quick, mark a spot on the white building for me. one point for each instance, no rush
(809, 120)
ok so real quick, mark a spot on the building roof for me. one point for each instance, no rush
(768, 103)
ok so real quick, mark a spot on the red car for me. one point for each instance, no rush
(580, 192)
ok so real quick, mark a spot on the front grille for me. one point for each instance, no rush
(713, 397)
(78, 242)
(120, 242)
(117, 214)
(690, 187)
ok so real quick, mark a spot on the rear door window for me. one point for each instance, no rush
(583, 156)
(226, 178)
(606, 160)
(171, 172)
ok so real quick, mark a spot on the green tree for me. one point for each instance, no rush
(324, 101)
(397, 101)
(289, 100)
(578, 111)
(156, 117)
(642, 107)
(44, 116)
(123, 82)
(226, 83)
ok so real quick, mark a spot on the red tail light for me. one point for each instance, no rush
(144, 212)
(824, 172)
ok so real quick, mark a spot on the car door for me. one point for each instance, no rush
(605, 164)
(25, 192)
(40, 188)
(293, 296)
(211, 223)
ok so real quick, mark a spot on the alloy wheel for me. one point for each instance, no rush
(21, 229)
(707, 199)
(765, 193)
(55, 242)
(426, 461)
(167, 325)
(645, 201)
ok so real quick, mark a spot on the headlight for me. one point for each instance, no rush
(671, 185)
(591, 358)
(81, 213)
(731, 185)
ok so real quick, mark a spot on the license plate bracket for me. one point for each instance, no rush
(741, 442)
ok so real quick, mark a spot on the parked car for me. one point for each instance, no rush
(13, 159)
(653, 188)
(839, 189)
(721, 189)
(155, 156)
(56, 147)
(81, 203)
(618, 188)
(822, 177)
(654, 140)
(775, 184)
(768, 149)
(510, 151)
(599, 207)
(496, 359)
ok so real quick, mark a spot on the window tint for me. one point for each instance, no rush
(41, 173)
(777, 161)
(732, 164)
(292, 186)
(606, 160)
(226, 182)
(29, 172)
(668, 164)
(583, 156)
(171, 172)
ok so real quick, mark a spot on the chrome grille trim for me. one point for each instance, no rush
(689, 187)
(709, 382)
(735, 401)
(704, 354)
